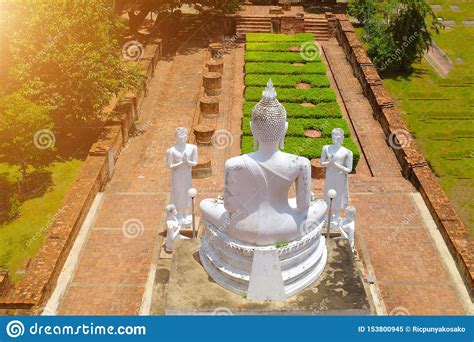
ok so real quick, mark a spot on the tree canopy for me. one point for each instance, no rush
(66, 55)
(399, 33)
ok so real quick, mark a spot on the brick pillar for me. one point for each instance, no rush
(212, 82)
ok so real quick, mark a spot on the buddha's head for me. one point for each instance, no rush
(268, 123)
(337, 135)
(181, 135)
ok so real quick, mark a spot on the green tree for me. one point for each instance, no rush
(411, 24)
(381, 48)
(400, 34)
(66, 55)
(362, 9)
(26, 131)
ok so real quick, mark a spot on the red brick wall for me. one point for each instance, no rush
(414, 165)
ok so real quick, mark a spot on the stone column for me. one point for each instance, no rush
(216, 65)
(212, 82)
(216, 50)
(209, 106)
(203, 133)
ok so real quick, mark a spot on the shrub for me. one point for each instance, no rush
(270, 56)
(306, 147)
(271, 37)
(297, 127)
(25, 128)
(296, 110)
(362, 9)
(272, 46)
(294, 95)
(284, 68)
(287, 81)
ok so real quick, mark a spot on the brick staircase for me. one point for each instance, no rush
(318, 26)
(253, 24)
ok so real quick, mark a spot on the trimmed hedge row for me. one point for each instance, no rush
(297, 127)
(296, 110)
(287, 81)
(270, 56)
(274, 46)
(306, 147)
(285, 68)
(294, 95)
(272, 37)
(267, 56)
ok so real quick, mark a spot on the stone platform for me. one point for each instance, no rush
(338, 291)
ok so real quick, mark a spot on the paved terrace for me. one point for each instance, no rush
(115, 272)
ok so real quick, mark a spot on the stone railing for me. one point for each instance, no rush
(30, 294)
(414, 165)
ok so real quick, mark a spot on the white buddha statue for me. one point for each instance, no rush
(338, 163)
(256, 213)
(180, 159)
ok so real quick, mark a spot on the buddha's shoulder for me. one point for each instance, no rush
(234, 162)
(295, 159)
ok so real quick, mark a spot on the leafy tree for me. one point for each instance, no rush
(26, 131)
(381, 47)
(411, 24)
(400, 34)
(362, 9)
(73, 65)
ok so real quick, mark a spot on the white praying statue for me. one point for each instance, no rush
(338, 163)
(173, 227)
(348, 225)
(257, 241)
(180, 159)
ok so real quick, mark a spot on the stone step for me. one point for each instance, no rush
(325, 27)
(254, 25)
(315, 20)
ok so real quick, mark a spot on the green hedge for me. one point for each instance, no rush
(297, 127)
(285, 68)
(296, 110)
(306, 147)
(276, 46)
(294, 95)
(287, 81)
(271, 37)
(270, 56)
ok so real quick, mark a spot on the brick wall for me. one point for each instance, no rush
(31, 293)
(414, 165)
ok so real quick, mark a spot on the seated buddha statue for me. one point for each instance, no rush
(256, 212)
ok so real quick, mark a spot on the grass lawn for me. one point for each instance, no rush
(17, 238)
(439, 111)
